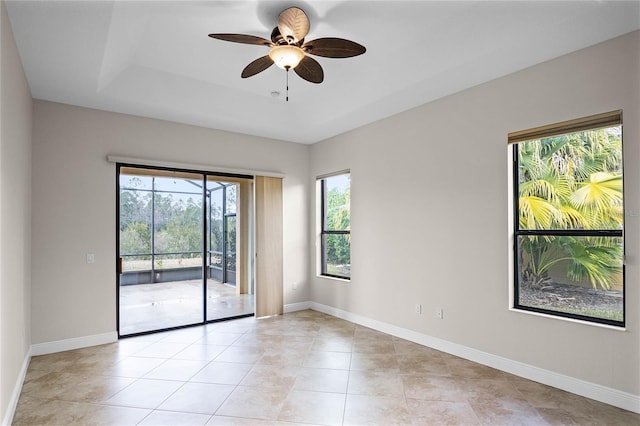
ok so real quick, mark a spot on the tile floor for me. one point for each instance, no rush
(299, 368)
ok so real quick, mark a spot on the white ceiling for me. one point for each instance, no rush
(154, 59)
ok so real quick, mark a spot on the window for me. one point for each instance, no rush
(568, 219)
(335, 194)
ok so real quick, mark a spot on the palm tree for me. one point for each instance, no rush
(571, 182)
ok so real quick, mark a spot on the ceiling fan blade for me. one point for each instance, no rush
(257, 66)
(293, 24)
(310, 70)
(242, 38)
(333, 47)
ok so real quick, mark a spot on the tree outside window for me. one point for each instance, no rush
(336, 226)
(569, 225)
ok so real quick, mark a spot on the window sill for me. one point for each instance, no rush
(329, 277)
(573, 320)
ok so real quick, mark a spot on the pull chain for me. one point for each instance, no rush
(288, 84)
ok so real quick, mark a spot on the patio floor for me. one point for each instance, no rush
(146, 307)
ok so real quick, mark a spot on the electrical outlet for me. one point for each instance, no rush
(91, 258)
(418, 308)
(440, 313)
(295, 286)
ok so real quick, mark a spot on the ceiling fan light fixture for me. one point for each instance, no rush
(286, 56)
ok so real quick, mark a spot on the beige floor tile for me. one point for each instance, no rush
(376, 410)
(319, 408)
(290, 329)
(162, 350)
(51, 385)
(492, 388)
(200, 352)
(201, 398)
(434, 388)
(225, 373)
(244, 355)
(374, 362)
(218, 337)
(333, 332)
(403, 346)
(144, 393)
(54, 362)
(372, 346)
(237, 326)
(111, 415)
(283, 358)
(561, 416)
(322, 380)
(169, 418)
(33, 411)
(254, 403)
(362, 333)
(240, 421)
(176, 369)
(422, 364)
(573, 409)
(185, 335)
(95, 389)
(463, 368)
(542, 396)
(271, 376)
(332, 360)
(442, 413)
(128, 347)
(253, 339)
(333, 344)
(505, 411)
(134, 366)
(375, 383)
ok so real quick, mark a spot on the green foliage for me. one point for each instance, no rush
(572, 182)
(135, 238)
(338, 217)
(178, 223)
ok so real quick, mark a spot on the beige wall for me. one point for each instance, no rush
(15, 216)
(75, 211)
(430, 215)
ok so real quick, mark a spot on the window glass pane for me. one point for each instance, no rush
(337, 254)
(231, 243)
(178, 223)
(215, 223)
(136, 182)
(180, 260)
(136, 263)
(178, 185)
(571, 181)
(135, 222)
(337, 204)
(578, 275)
(232, 195)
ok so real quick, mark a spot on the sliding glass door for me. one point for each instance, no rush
(229, 286)
(161, 242)
(177, 249)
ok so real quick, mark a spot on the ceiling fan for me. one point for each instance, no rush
(289, 50)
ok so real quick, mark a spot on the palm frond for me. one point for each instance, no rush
(537, 213)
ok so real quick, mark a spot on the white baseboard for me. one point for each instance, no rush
(301, 306)
(15, 395)
(624, 400)
(74, 343)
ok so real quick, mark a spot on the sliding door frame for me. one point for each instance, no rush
(234, 178)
